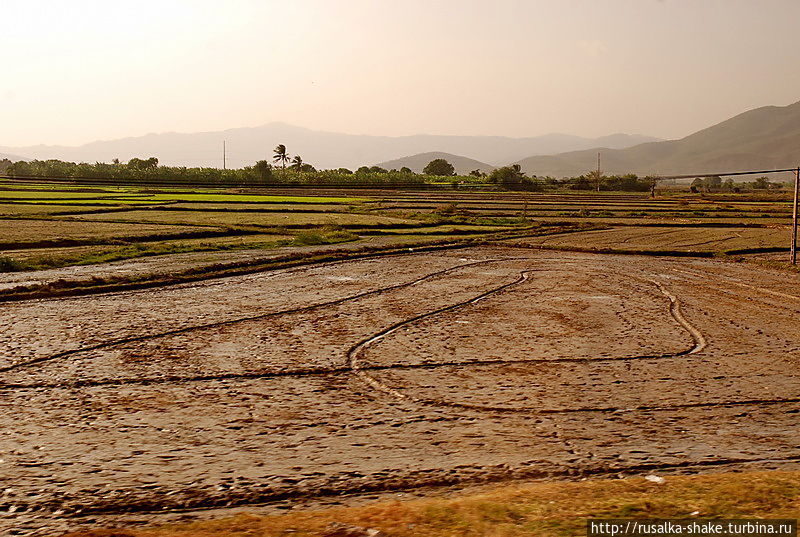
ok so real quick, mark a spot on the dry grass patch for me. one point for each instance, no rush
(542, 509)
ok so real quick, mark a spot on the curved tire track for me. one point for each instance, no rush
(352, 365)
(700, 343)
(300, 309)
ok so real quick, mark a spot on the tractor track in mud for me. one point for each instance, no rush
(358, 378)
(674, 310)
(311, 307)
(183, 330)
(222, 280)
(352, 366)
(700, 343)
(729, 281)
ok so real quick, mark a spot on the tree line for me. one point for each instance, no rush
(289, 170)
(716, 184)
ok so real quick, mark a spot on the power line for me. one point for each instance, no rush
(693, 175)
(794, 215)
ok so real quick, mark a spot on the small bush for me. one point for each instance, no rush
(9, 264)
(311, 238)
(450, 209)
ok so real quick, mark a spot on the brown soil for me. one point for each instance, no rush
(29, 230)
(684, 239)
(387, 374)
(166, 265)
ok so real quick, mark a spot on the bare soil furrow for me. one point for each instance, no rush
(252, 390)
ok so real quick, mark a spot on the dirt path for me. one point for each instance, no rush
(386, 374)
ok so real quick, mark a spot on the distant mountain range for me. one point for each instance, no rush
(463, 165)
(13, 158)
(761, 139)
(764, 138)
(322, 149)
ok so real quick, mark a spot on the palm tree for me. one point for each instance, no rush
(280, 155)
(297, 162)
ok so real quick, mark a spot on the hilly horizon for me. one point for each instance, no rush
(763, 138)
(322, 149)
(463, 165)
(13, 158)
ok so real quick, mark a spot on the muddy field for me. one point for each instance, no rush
(386, 374)
(54, 225)
(27, 231)
(682, 239)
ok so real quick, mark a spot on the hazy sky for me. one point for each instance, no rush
(79, 70)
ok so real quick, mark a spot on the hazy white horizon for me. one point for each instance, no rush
(80, 71)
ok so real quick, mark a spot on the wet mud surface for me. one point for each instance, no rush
(387, 374)
(172, 263)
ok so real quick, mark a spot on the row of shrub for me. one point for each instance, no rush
(511, 177)
(716, 184)
(262, 173)
(137, 170)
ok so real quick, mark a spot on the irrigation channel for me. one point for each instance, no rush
(389, 374)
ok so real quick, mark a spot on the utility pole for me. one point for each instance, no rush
(224, 156)
(598, 171)
(794, 215)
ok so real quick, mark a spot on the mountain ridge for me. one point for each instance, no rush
(10, 157)
(767, 137)
(463, 165)
(323, 149)
(762, 138)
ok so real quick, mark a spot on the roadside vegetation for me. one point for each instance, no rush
(541, 509)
